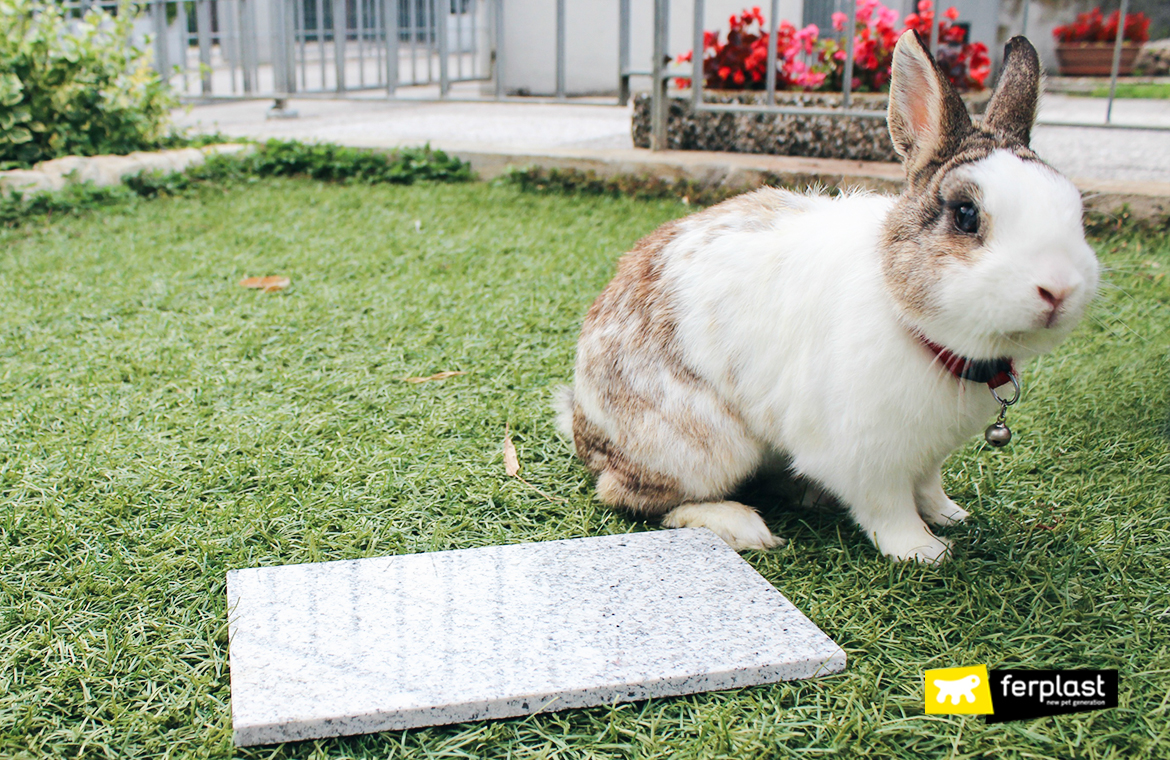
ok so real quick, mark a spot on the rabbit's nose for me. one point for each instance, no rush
(1054, 297)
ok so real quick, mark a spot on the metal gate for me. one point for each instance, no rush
(352, 45)
(276, 48)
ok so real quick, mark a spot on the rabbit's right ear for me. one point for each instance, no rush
(1012, 109)
(927, 118)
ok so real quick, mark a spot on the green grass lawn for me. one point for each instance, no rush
(1134, 90)
(160, 425)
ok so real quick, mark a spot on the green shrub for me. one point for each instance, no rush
(275, 158)
(74, 86)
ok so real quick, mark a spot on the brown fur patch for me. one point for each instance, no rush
(631, 315)
(620, 481)
(628, 358)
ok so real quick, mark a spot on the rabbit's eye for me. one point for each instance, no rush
(967, 218)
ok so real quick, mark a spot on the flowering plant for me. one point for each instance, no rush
(740, 63)
(806, 61)
(966, 64)
(1094, 27)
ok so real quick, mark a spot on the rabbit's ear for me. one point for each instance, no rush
(1012, 109)
(928, 120)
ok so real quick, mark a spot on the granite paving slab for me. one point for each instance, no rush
(358, 646)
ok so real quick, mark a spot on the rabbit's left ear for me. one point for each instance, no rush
(1012, 109)
(927, 118)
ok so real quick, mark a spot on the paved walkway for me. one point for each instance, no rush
(562, 128)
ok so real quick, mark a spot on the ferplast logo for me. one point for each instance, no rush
(1022, 694)
(958, 691)
(1003, 695)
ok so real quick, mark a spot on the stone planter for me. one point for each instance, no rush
(778, 134)
(1094, 59)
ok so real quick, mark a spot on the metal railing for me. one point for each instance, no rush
(212, 49)
(661, 72)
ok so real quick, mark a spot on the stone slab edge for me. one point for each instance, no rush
(1143, 201)
(106, 170)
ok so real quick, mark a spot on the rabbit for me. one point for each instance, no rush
(831, 333)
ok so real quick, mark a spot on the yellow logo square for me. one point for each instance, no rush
(958, 691)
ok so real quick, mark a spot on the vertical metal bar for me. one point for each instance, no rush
(934, 32)
(284, 73)
(229, 20)
(300, 33)
(459, 39)
(290, 36)
(773, 25)
(339, 27)
(361, 42)
(560, 49)
(624, 51)
(850, 32)
(498, 48)
(184, 42)
(377, 32)
(162, 63)
(278, 8)
(475, 71)
(248, 67)
(203, 30)
(429, 29)
(697, 54)
(390, 16)
(1116, 59)
(658, 89)
(388, 9)
(1024, 26)
(321, 39)
(412, 11)
(444, 49)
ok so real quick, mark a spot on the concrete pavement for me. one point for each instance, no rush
(1128, 166)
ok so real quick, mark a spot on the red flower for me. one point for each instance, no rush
(807, 61)
(1094, 27)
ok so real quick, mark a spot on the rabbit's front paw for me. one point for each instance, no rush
(939, 510)
(737, 524)
(916, 544)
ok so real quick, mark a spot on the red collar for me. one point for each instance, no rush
(994, 372)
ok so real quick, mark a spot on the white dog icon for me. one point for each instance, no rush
(962, 687)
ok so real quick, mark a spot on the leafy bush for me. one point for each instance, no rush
(275, 158)
(74, 86)
(336, 163)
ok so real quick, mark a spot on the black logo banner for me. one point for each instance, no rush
(1023, 694)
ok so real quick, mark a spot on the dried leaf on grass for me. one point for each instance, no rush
(438, 376)
(267, 284)
(511, 461)
(512, 466)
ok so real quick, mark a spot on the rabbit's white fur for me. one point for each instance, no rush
(775, 324)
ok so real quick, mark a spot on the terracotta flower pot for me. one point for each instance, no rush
(1094, 59)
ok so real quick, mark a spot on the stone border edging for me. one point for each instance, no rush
(1143, 201)
(106, 170)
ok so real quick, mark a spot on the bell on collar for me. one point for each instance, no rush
(997, 434)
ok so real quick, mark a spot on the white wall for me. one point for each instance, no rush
(591, 40)
(591, 35)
